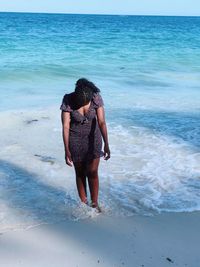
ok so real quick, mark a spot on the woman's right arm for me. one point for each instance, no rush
(65, 117)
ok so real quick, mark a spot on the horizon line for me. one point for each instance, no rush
(99, 14)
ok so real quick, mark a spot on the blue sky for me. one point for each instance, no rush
(134, 7)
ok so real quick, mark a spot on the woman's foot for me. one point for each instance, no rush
(85, 201)
(95, 206)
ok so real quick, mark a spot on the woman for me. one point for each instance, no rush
(84, 125)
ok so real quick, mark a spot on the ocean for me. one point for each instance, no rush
(148, 70)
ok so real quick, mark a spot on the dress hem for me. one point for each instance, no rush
(88, 160)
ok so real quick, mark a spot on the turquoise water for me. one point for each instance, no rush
(43, 55)
(148, 70)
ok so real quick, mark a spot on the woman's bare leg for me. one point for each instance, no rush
(80, 169)
(93, 180)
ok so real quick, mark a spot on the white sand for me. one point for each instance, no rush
(105, 241)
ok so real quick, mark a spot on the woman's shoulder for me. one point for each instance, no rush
(97, 100)
(66, 104)
(67, 97)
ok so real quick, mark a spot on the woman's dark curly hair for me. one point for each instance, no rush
(84, 91)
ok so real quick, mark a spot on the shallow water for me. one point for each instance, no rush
(148, 72)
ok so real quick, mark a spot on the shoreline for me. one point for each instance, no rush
(166, 239)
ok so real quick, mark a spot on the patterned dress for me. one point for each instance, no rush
(85, 139)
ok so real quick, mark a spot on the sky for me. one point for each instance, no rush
(126, 7)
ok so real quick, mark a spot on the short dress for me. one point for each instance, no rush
(85, 139)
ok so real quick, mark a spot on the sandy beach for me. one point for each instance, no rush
(168, 239)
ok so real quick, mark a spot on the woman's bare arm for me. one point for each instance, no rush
(103, 128)
(65, 118)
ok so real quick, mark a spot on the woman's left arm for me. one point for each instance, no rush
(103, 128)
